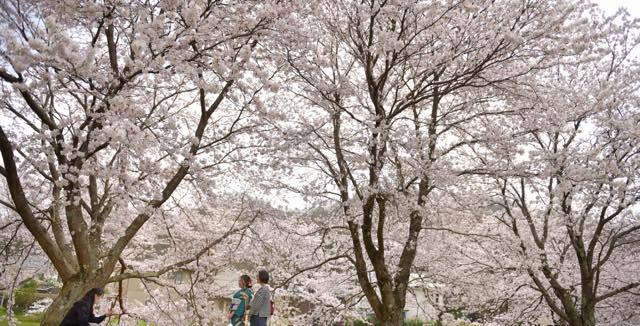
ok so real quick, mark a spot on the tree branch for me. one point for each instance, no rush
(24, 210)
(124, 276)
(617, 291)
(308, 269)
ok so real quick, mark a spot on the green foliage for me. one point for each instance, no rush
(357, 322)
(23, 319)
(457, 313)
(414, 322)
(25, 295)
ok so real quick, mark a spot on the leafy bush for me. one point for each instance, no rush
(23, 320)
(25, 295)
(357, 322)
(414, 322)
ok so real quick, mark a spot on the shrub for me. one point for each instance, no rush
(414, 322)
(25, 295)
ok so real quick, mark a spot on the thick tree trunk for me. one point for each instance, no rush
(588, 302)
(589, 317)
(71, 292)
(393, 317)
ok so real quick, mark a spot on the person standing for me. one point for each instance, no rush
(81, 314)
(240, 301)
(260, 307)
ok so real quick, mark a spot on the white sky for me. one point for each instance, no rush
(612, 5)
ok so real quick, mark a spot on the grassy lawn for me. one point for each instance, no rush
(23, 320)
(34, 320)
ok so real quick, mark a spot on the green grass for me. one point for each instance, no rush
(23, 320)
(414, 322)
(34, 319)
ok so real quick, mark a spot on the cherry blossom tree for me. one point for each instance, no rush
(313, 279)
(198, 242)
(311, 285)
(564, 188)
(107, 108)
(380, 95)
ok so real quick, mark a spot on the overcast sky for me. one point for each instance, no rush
(612, 5)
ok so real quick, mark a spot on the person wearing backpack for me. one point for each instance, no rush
(261, 306)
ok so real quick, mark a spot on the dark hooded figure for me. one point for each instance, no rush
(81, 314)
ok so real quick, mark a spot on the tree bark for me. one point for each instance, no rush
(71, 291)
(392, 316)
(589, 316)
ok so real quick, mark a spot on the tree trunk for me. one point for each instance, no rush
(589, 317)
(394, 317)
(71, 292)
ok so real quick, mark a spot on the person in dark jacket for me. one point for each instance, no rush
(81, 314)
